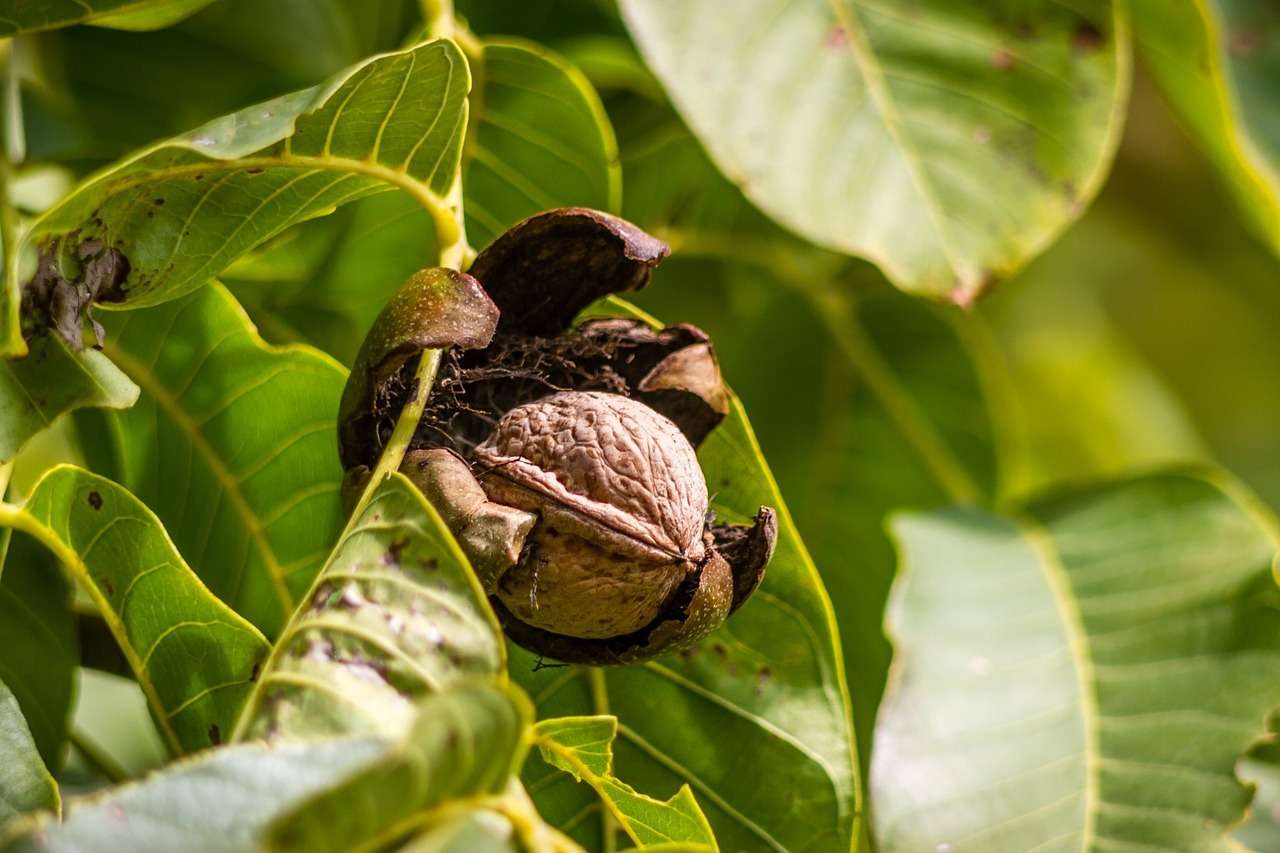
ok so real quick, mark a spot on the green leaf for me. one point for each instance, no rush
(39, 651)
(396, 613)
(182, 210)
(465, 743)
(542, 140)
(583, 748)
(194, 657)
(479, 831)
(233, 444)
(1212, 61)
(1087, 673)
(49, 381)
(25, 17)
(539, 140)
(222, 799)
(947, 143)
(25, 784)
(755, 720)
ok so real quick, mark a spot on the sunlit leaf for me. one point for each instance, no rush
(50, 381)
(232, 443)
(757, 712)
(465, 742)
(948, 143)
(33, 15)
(542, 140)
(1086, 674)
(194, 657)
(38, 642)
(396, 613)
(222, 799)
(25, 784)
(183, 209)
(583, 748)
(1215, 63)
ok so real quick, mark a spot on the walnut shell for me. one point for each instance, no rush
(605, 467)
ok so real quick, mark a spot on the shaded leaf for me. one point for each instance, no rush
(759, 711)
(1216, 65)
(31, 16)
(583, 748)
(396, 613)
(38, 643)
(542, 141)
(233, 444)
(183, 209)
(50, 381)
(25, 784)
(946, 143)
(465, 743)
(222, 799)
(194, 657)
(1087, 674)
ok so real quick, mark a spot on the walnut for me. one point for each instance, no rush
(621, 502)
(563, 459)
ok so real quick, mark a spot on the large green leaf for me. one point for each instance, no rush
(232, 443)
(465, 743)
(1216, 63)
(38, 642)
(33, 15)
(194, 657)
(183, 209)
(755, 719)
(946, 142)
(25, 784)
(223, 799)
(50, 381)
(539, 140)
(583, 748)
(542, 140)
(396, 613)
(1082, 677)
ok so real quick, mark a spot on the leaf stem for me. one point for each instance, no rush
(97, 758)
(10, 336)
(437, 18)
(812, 281)
(600, 704)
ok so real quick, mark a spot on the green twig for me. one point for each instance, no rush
(600, 704)
(437, 18)
(97, 758)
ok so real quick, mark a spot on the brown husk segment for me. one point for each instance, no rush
(541, 274)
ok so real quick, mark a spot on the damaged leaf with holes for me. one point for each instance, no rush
(563, 459)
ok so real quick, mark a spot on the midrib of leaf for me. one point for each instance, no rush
(700, 786)
(143, 375)
(18, 519)
(1072, 621)
(860, 48)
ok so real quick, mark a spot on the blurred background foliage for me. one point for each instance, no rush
(1143, 336)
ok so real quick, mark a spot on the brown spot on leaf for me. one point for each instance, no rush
(215, 735)
(95, 501)
(107, 587)
(837, 39)
(254, 171)
(257, 670)
(1002, 60)
(1245, 41)
(1087, 38)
